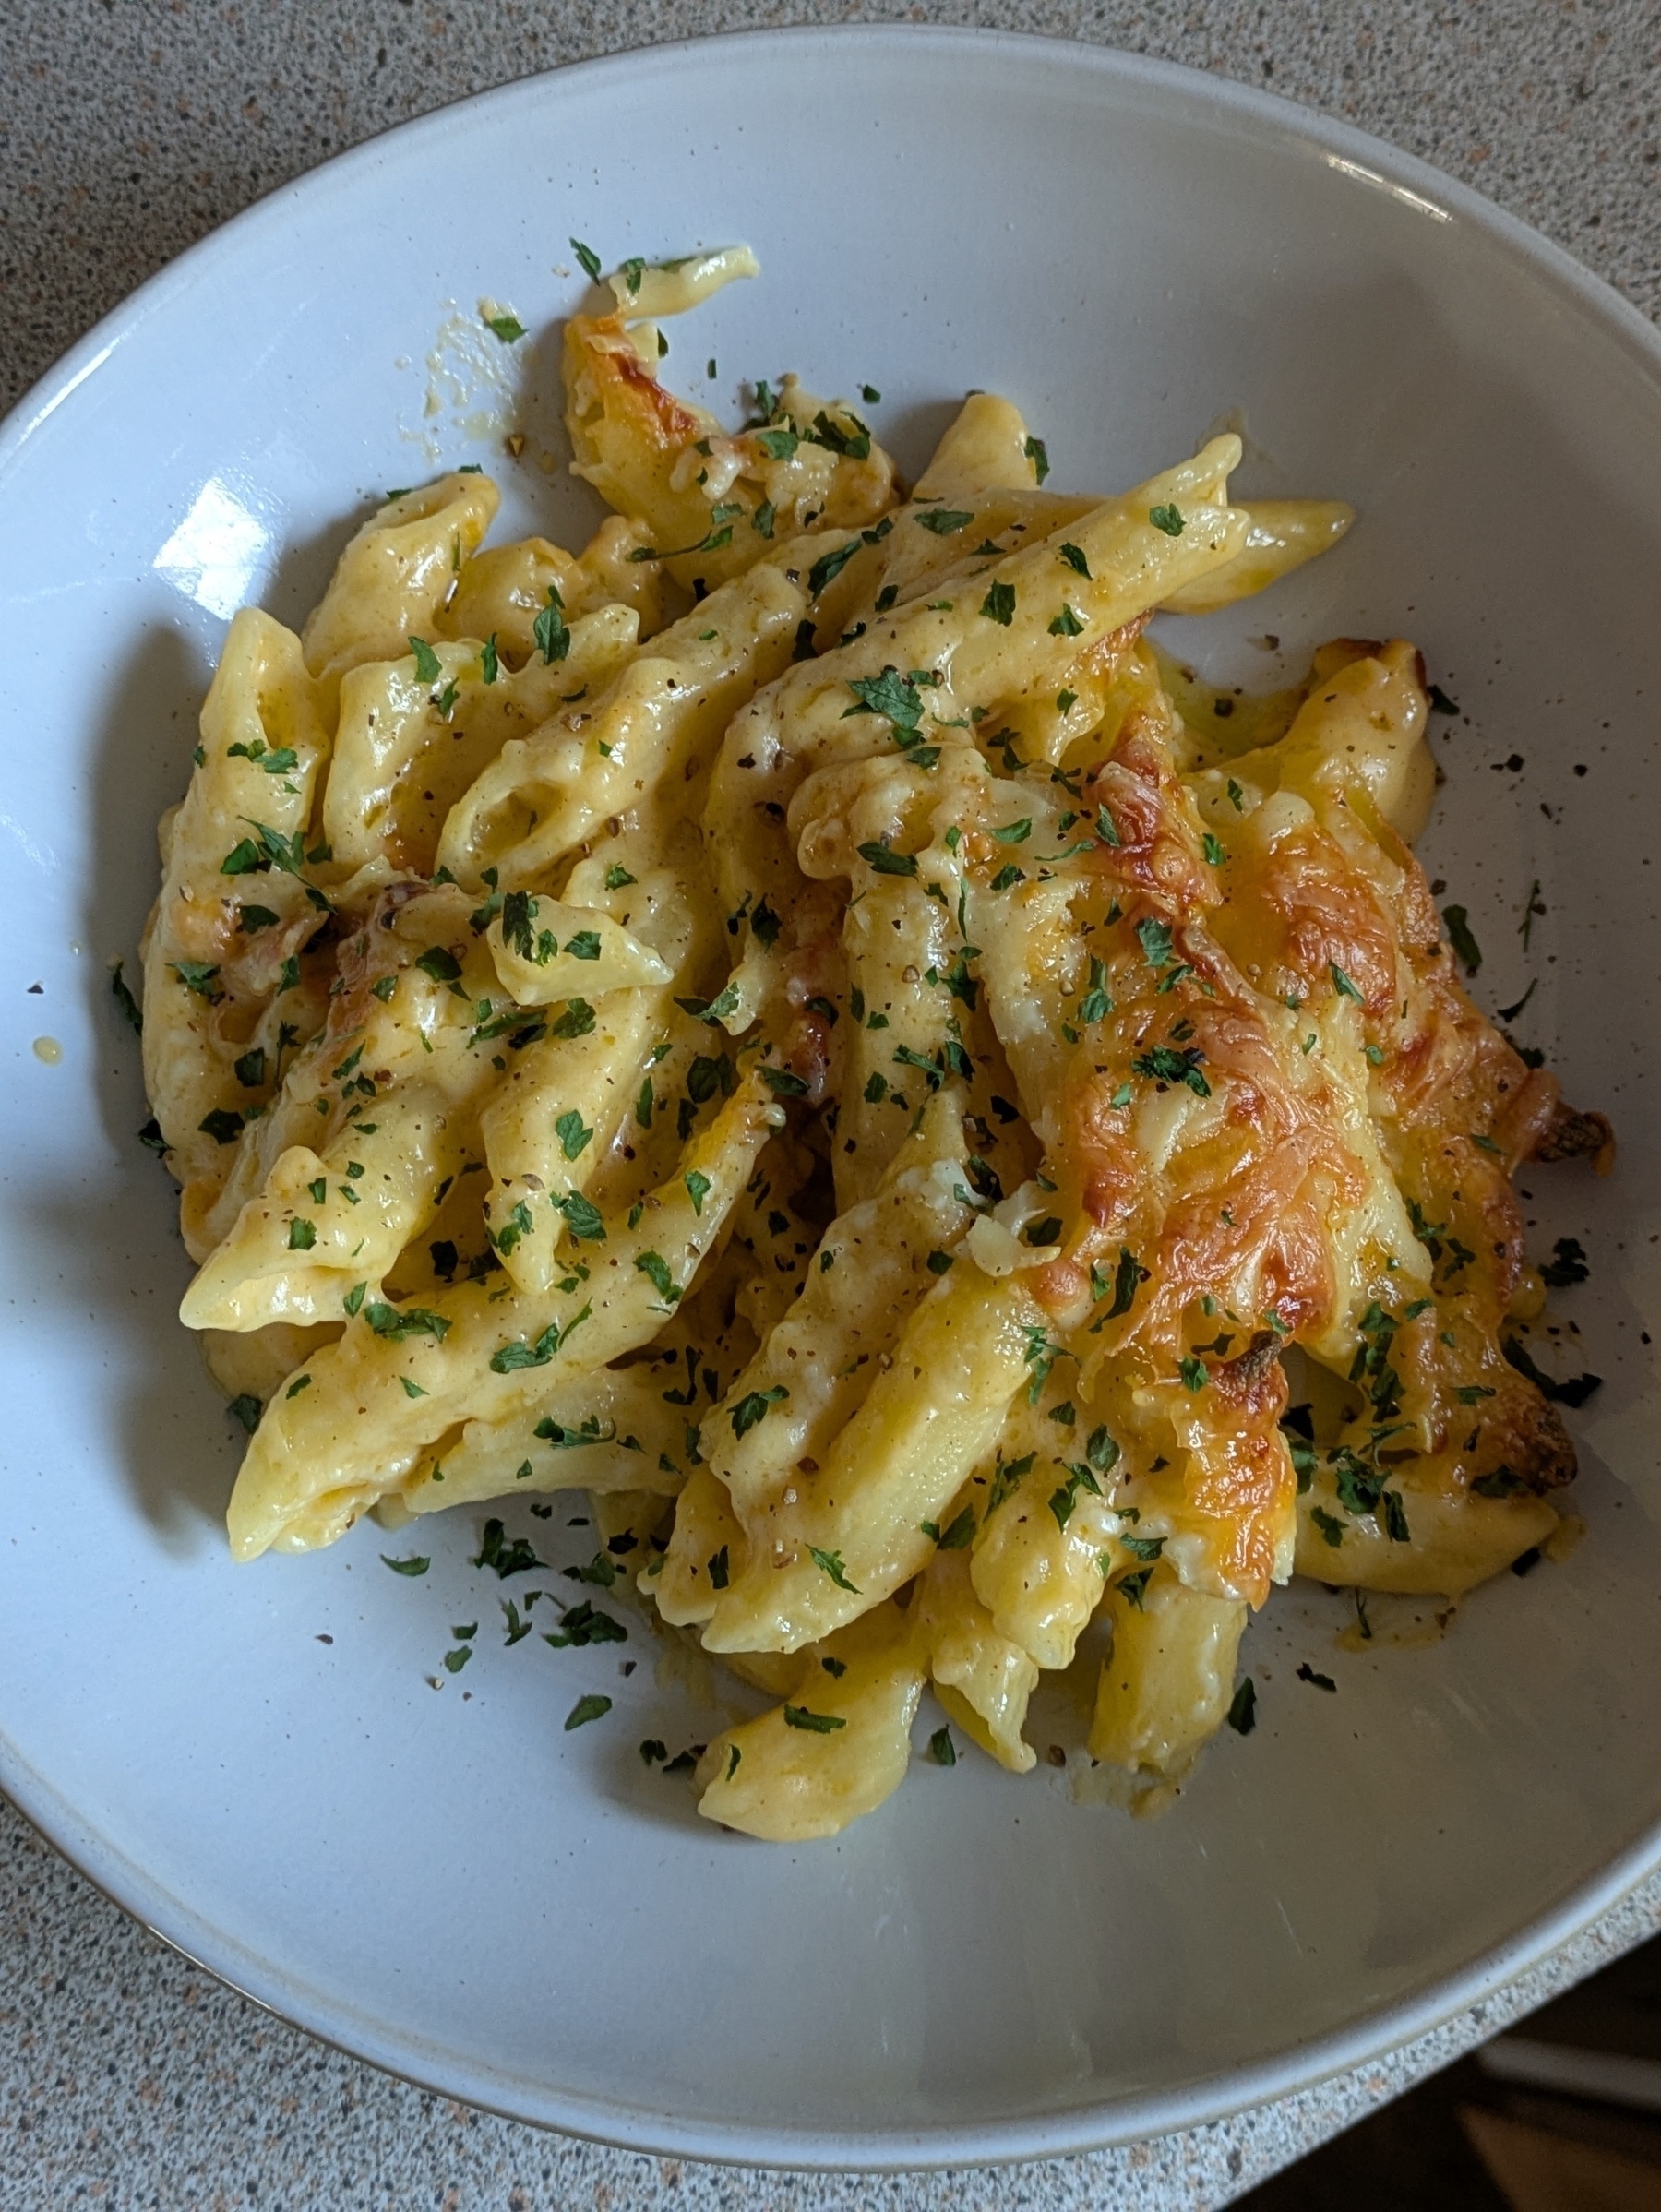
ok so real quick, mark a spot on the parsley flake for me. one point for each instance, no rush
(591, 1707)
(1458, 935)
(1242, 1711)
(754, 1406)
(817, 1724)
(830, 1563)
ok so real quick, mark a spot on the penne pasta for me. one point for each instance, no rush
(804, 1022)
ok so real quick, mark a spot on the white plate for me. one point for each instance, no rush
(448, 1883)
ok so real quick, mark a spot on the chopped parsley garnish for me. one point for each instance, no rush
(830, 1563)
(698, 1188)
(414, 1565)
(584, 1626)
(1298, 1427)
(224, 1125)
(1165, 1064)
(600, 1570)
(941, 1749)
(1242, 1710)
(1461, 938)
(945, 521)
(522, 1355)
(1134, 1586)
(1332, 1530)
(1157, 943)
(589, 259)
(1127, 1276)
(301, 1236)
(552, 635)
(1168, 519)
(124, 997)
(1006, 1476)
(829, 566)
(892, 694)
(584, 1218)
(957, 1535)
(516, 1227)
(753, 1408)
(441, 965)
(1502, 1482)
(199, 977)
(1342, 985)
(573, 1133)
(712, 1010)
(1075, 559)
(1066, 625)
(656, 1268)
(1194, 1373)
(1574, 1391)
(507, 327)
(1062, 1500)
(591, 1707)
(506, 1559)
(396, 1322)
(429, 668)
(886, 861)
(999, 606)
(817, 1724)
(1306, 1673)
(1568, 1266)
(1038, 456)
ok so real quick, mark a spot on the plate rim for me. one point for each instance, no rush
(1082, 2127)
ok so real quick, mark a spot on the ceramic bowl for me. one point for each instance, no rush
(252, 1759)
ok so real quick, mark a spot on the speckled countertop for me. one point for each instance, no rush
(129, 128)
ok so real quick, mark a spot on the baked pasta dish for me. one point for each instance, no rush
(802, 1021)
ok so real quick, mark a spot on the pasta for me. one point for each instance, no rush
(802, 1021)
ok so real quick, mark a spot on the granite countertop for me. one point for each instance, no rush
(127, 129)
